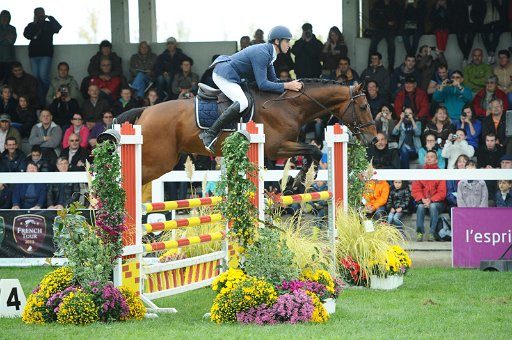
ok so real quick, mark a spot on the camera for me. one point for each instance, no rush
(433, 48)
(449, 81)
(454, 136)
(464, 114)
(63, 90)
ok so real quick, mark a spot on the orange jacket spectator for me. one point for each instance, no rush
(376, 194)
(480, 110)
(435, 190)
(417, 100)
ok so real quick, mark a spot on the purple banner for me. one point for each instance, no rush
(480, 234)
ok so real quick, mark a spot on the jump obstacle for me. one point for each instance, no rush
(170, 278)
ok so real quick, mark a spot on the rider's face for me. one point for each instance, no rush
(285, 45)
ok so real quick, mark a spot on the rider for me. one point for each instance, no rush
(253, 63)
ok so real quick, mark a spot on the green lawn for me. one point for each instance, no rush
(434, 302)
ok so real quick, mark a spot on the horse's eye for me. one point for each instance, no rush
(362, 107)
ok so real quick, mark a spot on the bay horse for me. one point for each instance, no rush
(170, 127)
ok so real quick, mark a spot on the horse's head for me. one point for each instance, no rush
(357, 115)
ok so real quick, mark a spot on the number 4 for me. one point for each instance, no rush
(13, 300)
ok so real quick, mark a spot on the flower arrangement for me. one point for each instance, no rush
(136, 309)
(395, 261)
(352, 273)
(228, 280)
(77, 308)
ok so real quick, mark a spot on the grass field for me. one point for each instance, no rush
(432, 303)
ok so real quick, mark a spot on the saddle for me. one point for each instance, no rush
(211, 102)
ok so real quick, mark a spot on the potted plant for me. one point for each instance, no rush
(389, 269)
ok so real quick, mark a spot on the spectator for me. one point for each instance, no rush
(63, 80)
(8, 103)
(504, 73)
(6, 130)
(378, 73)
(431, 144)
(441, 19)
(63, 107)
(94, 107)
(470, 193)
(381, 156)
(472, 126)
(25, 117)
(284, 61)
(453, 94)
(47, 134)
(166, 66)
(403, 72)
(109, 84)
(40, 49)
(496, 122)
(428, 195)
(504, 194)
(29, 196)
(506, 161)
(76, 155)
(5, 195)
(245, 41)
(334, 49)
(440, 126)
(486, 95)
(345, 70)
(23, 84)
(488, 156)
(455, 146)
(427, 62)
(384, 17)
(12, 159)
(398, 203)
(61, 195)
(77, 127)
(375, 197)
(409, 131)
(413, 24)
(7, 39)
(411, 96)
(151, 98)
(441, 75)
(468, 18)
(477, 72)
(258, 37)
(141, 68)
(125, 102)
(105, 53)
(106, 123)
(374, 98)
(494, 25)
(184, 84)
(385, 124)
(307, 52)
(36, 156)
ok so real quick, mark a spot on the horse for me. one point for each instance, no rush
(170, 128)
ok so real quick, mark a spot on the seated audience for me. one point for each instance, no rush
(470, 124)
(496, 122)
(63, 107)
(6, 130)
(61, 195)
(470, 193)
(486, 95)
(428, 62)
(345, 70)
(409, 95)
(78, 127)
(105, 124)
(451, 185)
(184, 84)
(398, 203)
(441, 75)
(408, 131)
(375, 100)
(506, 161)
(5, 195)
(489, 154)
(25, 117)
(477, 72)
(334, 49)
(503, 70)
(94, 107)
(36, 156)
(429, 195)
(108, 83)
(385, 124)
(440, 126)
(375, 197)
(378, 73)
(105, 52)
(141, 68)
(23, 84)
(431, 144)
(76, 155)
(166, 66)
(12, 159)
(403, 72)
(453, 94)
(46, 134)
(152, 98)
(455, 146)
(381, 156)
(61, 80)
(125, 102)
(29, 195)
(8, 103)
(503, 197)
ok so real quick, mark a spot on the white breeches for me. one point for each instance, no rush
(232, 90)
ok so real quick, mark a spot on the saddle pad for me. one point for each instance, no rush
(207, 113)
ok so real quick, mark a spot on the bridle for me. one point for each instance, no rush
(354, 127)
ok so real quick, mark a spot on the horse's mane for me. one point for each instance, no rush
(254, 86)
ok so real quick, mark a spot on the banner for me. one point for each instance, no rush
(480, 234)
(29, 233)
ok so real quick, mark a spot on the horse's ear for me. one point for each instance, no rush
(359, 88)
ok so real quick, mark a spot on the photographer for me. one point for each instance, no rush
(453, 94)
(472, 126)
(431, 144)
(63, 107)
(385, 124)
(455, 146)
(409, 131)
(440, 126)
(63, 78)
(307, 51)
(184, 85)
(428, 61)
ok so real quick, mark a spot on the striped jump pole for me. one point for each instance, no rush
(181, 223)
(180, 204)
(303, 198)
(184, 242)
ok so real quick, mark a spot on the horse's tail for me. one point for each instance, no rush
(129, 116)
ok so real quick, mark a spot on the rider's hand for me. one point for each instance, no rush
(293, 85)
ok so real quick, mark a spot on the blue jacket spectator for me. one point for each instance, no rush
(454, 96)
(29, 195)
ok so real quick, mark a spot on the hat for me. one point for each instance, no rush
(105, 43)
(5, 118)
(171, 40)
(410, 79)
(503, 158)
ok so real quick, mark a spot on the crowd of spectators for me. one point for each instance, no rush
(427, 115)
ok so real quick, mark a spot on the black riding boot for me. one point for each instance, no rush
(210, 136)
